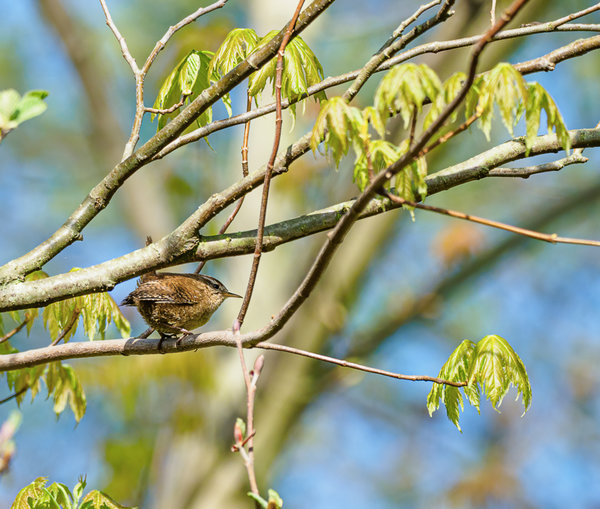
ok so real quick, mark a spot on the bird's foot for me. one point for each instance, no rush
(185, 333)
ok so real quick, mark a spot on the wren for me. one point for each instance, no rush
(176, 304)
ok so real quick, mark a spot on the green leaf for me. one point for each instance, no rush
(450, 90)
(540, 100)
(491, 365)
(61, 495)
(26, 378)
(15, 109)
(31, 493)
(456, 369)
(64, 384)
(275, 501)
(382, 154)
(257, 498)
(338, 124)
(78, 490)
(188, 79)
(97, 500)
(237, 46)
(497, 366)
(301, 69)
(404, 89)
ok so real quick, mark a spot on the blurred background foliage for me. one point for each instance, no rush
(400, 295)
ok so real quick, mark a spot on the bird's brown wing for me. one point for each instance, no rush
(154, 290)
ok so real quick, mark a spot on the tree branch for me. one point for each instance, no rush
(571, 50)
(169, 251)
(269, 171)
(101, 195)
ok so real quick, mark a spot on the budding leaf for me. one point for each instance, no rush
(490, 365)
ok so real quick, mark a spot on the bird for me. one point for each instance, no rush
(176, 304)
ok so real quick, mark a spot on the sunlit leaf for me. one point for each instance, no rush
(490, 365)
(97, 500)
(301, 69)
(496, 367)
(31, 493)
(65, 387)
(404, 89)
(540, 100)
(237, 46)
(187, 80)
(450, 90)
(337, 125)
(15, 109)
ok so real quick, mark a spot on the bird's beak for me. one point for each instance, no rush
(230, 294)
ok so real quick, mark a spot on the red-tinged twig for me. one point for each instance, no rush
(353, 365)
(552, 238)
(240, 202)
(270, 165)
(14, 331)
(444, 138)
(250, 383)
(68, 327)
(336, 236)
(413, 127)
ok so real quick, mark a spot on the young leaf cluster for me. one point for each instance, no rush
(58, 496)
(62, 317)
(340, 126)
(60, 380)
(505, 86)
(15, 109)
(96, 311)
(189, 78)
(274, 501)
(198, 69)
(491, 365)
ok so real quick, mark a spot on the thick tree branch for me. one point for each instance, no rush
(169, 251)
(101, 195)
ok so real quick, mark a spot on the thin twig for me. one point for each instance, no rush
(166, 111)
(336, 236)
(68, 327)
(526, 171)
(15, 395)
(120, 39)
(390, 48)
(353, 365)
(270, 165)
(445, 137)
(552, 238)
(575, 15)
(240, 202)
(161, 43)
(250, 380)
(16, 330)
(413, 127)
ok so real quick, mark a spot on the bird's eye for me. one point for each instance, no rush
(214, 285)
